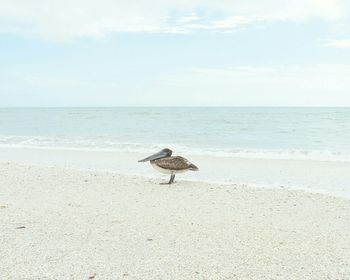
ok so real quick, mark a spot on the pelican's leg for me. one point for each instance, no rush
(172, 177)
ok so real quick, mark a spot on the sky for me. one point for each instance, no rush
(174, 53)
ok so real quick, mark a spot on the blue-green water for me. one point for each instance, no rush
(303, 133)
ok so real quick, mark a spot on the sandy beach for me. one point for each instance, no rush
(245, 104)
(64, 223)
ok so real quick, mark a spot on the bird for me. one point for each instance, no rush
(167, 164)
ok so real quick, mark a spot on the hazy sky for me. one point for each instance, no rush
(176, 52)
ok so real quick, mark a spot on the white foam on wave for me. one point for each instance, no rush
(99, 144)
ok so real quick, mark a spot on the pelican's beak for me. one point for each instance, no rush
(158, 155)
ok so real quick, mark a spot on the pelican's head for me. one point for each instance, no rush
(162, 154)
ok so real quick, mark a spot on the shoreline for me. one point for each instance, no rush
(63, 223)
(331, 178)
(239, 153)
(161, 178)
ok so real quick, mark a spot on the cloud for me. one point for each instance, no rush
(339, 44)
(188, 19)
(43, 89)
(68, 19)
(289, 85)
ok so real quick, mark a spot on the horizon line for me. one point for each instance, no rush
(177, 106)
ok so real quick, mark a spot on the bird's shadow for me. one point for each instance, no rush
(167, 183)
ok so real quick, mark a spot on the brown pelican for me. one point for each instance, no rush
(165, 163)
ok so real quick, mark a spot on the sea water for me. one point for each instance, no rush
(277, 133)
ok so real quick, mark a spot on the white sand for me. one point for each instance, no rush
(317, 176)
(108, 226)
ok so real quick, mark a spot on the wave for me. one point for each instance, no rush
(102, 144)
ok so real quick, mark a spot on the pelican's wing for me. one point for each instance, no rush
(173, 163)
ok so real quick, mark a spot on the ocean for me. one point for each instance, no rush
(321, 134)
